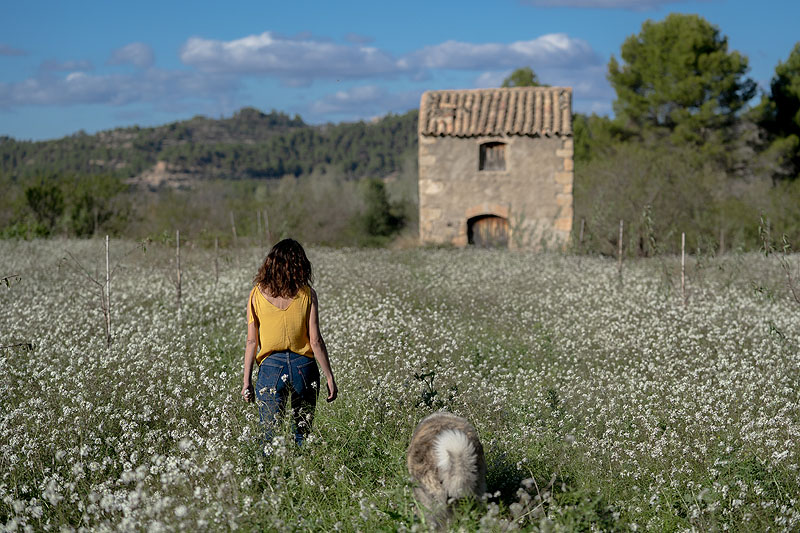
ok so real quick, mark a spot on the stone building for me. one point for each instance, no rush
(495, 167)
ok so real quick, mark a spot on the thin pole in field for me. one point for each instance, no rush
(216, 261)
(619, 248)
(258, 223)
(178, 262)
(266, 227)
(233, 226)
(580, 242)
(108, 298)
(721, 241)
(683, 267)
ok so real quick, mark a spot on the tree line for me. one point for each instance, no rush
(81, 183)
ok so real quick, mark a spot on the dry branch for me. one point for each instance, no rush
(6, 280)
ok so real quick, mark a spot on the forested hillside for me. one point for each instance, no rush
(326, 182)
(250, 144)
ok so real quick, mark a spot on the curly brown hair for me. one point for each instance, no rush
(285, 271)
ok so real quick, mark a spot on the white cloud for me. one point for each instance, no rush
(160, 87)
(294, 60)
(365, 101)
(634, 5)
(137, 54)
(492, 78)
(548, 50)
(217, 72)
(349, 99)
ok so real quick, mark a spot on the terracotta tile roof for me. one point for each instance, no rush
(530, 111)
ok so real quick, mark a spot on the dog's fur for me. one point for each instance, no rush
(445, 459)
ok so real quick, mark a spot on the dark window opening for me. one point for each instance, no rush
(493, 156)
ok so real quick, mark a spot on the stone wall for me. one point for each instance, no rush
(534, 192)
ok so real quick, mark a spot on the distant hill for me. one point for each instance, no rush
(250, 144)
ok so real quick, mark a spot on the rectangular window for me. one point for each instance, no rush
(492, 156)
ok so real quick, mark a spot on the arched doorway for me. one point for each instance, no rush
(488, 231)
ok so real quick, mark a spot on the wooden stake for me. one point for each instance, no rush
(233, 226)
(583, 223)
(721, 241)
(619, 249)
(108, 298)
(216, 261)
(683, 267)
(178, 262)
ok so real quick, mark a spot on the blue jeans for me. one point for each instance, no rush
(281, 375)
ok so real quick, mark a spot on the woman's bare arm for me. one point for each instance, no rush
(250, 355)
(318, 345)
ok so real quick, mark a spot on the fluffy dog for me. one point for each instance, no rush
(445, 459)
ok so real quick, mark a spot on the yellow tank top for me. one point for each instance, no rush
(282, 329)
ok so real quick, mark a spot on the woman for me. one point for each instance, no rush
(283, 337)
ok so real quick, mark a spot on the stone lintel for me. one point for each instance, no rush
(501, 210)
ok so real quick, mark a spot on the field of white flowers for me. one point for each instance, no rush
(603, 402)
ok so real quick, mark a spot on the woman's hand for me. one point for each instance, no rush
(248, 394)
(333, 390)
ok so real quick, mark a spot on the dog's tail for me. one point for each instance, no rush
(457, 462)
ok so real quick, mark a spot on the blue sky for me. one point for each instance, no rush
(95, 65)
